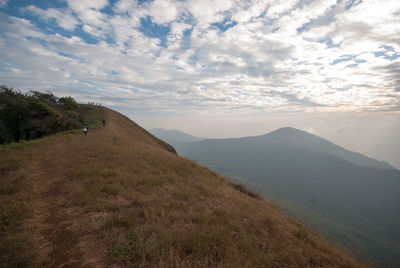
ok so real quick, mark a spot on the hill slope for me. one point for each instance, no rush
(309, 173)
(173, 136)
(120, 197)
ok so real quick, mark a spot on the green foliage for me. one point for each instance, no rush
(68, 103)
(44, 97)
(35, 115)
(14, 114)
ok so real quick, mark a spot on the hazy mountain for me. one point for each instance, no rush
(314, 175)
(303, 140)
(174, 137)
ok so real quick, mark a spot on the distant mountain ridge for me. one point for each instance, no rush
(346, 195)
(287, 135)
(174, 136)
(305, 140)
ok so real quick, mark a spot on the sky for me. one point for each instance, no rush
(221, 68)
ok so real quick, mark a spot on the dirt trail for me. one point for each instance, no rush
(40, 188)
(59, 228)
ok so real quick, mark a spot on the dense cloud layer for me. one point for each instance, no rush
(196, 57)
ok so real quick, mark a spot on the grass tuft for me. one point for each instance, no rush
(16, 251)
(246, 191)
(12, 213)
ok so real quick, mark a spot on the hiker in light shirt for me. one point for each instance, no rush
(85, 130)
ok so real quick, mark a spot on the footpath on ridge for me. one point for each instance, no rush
(61, 230)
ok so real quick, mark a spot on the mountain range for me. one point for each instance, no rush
(120, 197)
(349, 197)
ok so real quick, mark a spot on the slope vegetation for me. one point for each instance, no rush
(343, 193)
(120, 197)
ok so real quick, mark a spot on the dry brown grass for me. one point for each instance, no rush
(117, 197)
(15, 197)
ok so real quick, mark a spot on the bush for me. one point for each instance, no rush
(68, 103)
(35, 115)
(14, 115)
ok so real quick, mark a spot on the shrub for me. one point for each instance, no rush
(68, 103)
(35, 114)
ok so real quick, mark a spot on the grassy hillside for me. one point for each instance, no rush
(361, 201)
(121, 197)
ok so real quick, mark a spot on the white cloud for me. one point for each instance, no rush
(3, 3)
(92, 17)
(64, 18)
(208, 11)
(123, 28)
(280, 7)
(176, 34)
(245, 14)
(264, 63)
(84, 5)
(125, 6)
(163, 11)
(88, 11)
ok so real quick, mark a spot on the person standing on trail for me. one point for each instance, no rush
(104, 122)
(85, 129)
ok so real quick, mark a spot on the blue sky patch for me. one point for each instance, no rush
(86, 82)
(193, 60)
(13, 6)
(353, 3)
(343, 59)
(154, 30)
(109, 8)
(144, 1)
(224, 25)
(70, 56)
(328, 42)
(179, 68)
(185, 41)
(387, 49)
(339, 88)
(4, 70)
(88, 38)
(41, 41)
(304, 27)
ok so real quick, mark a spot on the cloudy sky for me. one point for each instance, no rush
(218, 68)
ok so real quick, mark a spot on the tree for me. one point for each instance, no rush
(68, 103)
(35, 114)
(13, 114)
